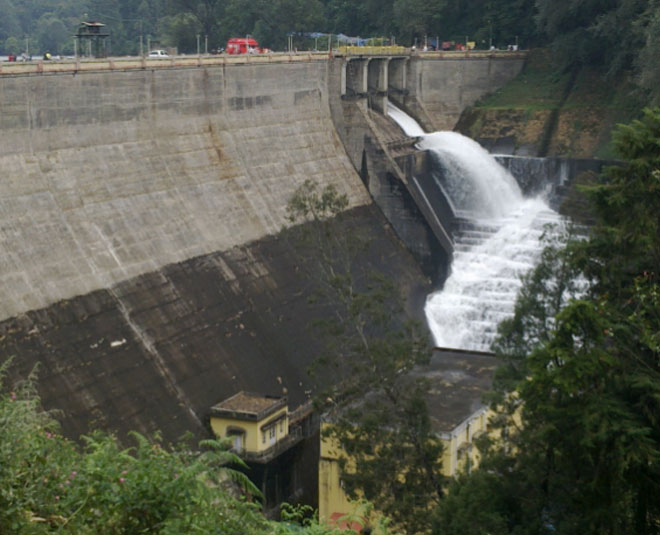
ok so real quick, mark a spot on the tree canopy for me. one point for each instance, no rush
(49, 484)
(580, 388)
(376, 411)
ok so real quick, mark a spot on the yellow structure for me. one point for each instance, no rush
(256, 423)
(370, 50)
(333, 502)
(458, 416)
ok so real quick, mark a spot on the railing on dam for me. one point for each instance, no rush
(135, 63)
(372, 51)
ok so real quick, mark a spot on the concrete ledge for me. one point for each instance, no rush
(131, 63)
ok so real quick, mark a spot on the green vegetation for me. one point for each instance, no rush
(612, 37)
(582, 373)
(539, 87)
(378, 412)
(49, 484)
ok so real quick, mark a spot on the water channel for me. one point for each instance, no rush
(496, 240)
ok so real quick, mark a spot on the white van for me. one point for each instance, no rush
(158, 54)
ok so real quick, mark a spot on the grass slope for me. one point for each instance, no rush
(544, 110)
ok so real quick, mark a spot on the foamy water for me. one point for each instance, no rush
(497, 243)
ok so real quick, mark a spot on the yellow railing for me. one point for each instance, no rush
(370, 50)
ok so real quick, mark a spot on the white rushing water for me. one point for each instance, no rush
(496, 243)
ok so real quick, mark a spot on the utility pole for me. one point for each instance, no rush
(206, 44)
(198, 44)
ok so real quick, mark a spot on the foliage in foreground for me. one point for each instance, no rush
(49, 484)
(583, 376)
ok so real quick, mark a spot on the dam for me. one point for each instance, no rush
(144, 266)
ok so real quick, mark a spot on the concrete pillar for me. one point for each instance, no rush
(377, 74)
(397, 74)
(377, 83)
(342, 82)
(356, 76)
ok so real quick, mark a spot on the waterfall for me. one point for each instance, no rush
(496, 239)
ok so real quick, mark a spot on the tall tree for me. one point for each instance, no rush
(9, 23)
(417, 19)
(378, 412)
(581, 411)
(647, 64)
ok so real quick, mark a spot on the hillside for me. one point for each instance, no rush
(544, 112)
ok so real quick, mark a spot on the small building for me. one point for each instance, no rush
(90, 39)
(275, 444)
(459, 380)
(258, 424)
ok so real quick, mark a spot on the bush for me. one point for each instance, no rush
(50, 484)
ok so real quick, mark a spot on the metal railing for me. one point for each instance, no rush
(68, 65)
(295, 435)
(371, 51)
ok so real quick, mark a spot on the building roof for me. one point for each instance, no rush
(248, 406)
(459, 380)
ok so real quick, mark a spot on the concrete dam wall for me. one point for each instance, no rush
(139, 212)
(142, 263)
(108, 176)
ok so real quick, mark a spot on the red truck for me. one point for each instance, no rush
(242, 45)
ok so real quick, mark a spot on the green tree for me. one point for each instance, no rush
(418, 18)
(12, 46)
(594, 33)
(204, 15)
(647, 64)
(49, 484)
(52, 34)
(181, 31)
(585, 386)
(9, 23)
(376, 407)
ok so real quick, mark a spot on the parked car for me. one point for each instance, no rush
(158, 54)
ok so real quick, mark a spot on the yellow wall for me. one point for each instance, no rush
(333, 501)
(254, 441)
(457, 449)
(458, 445)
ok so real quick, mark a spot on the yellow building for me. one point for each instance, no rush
(257, 423)
(273, 442)
(459, 379)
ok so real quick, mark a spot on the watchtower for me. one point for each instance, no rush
(91, 39)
